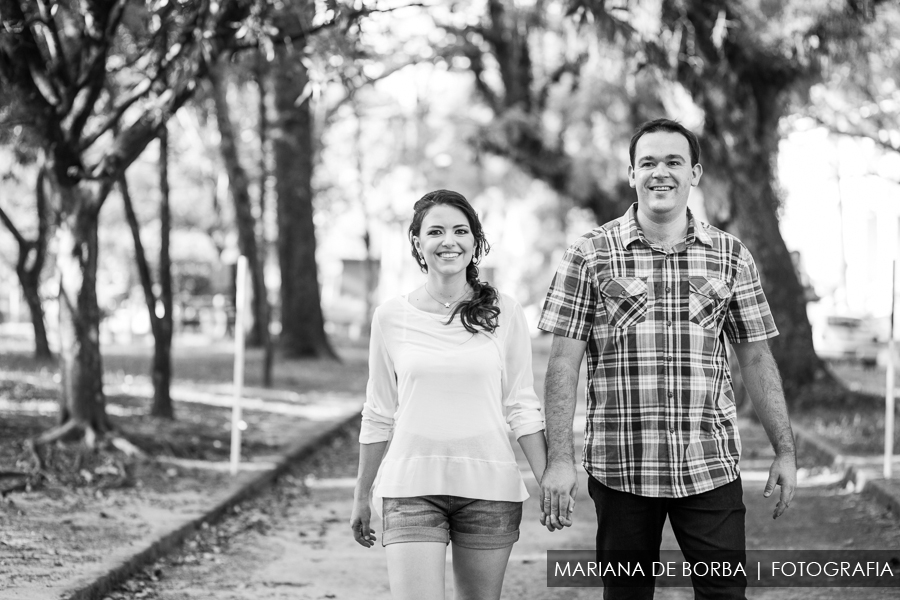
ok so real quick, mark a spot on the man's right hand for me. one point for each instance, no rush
(558, 488)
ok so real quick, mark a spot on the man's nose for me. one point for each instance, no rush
(659, 170)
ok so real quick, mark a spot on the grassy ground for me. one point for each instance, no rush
(29, 400)
(212, 362)
(858, 427)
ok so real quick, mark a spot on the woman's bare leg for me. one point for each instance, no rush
(478, 574)
(416, 570)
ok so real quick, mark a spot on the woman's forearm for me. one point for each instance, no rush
(535, 448)
(370, 456)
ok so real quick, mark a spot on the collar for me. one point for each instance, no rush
(630, 231)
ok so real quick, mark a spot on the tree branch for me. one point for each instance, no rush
(854, 132)
(141, 89)
(59, 64)
(23, 243)
(140, 256)
(43, 217)
(572, 67)
(353, 89)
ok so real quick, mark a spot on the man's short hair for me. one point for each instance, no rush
(670, 126)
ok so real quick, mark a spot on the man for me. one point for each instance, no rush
(651, 297)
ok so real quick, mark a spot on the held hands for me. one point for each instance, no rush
(359, 523)
(783, 472)
(558, 488)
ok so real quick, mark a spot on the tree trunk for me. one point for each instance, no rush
(31, 290)
(754, 221)
(162, 355)
(744, 94)
(302, 322)
(261, 74)
(30, 264)
(239, 185)
(83, 404)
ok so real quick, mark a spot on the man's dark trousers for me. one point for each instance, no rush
(709, 527)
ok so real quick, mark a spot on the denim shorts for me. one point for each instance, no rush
(470, 523)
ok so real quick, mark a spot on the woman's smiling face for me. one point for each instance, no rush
(445, 240)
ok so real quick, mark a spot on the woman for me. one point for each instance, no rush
(449, 374)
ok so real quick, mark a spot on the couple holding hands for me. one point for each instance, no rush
(649, 298)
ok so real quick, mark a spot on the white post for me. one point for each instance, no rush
(240, 309)
(889, 384)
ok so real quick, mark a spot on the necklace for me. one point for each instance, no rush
(446, 304)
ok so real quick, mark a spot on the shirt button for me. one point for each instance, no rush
(668, 289)
(668, 323)
(671, 430)
(669, 358)
(670, 394)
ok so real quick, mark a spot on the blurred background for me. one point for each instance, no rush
(300, 135)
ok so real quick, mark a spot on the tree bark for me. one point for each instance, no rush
(261, 74)
(30, 281)
(82, 401)
(161, 369)
(162, 355)
(30, 264)
(302, 321)
(239, 185)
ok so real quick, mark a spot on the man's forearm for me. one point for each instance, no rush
(760, 374)
(559, 410)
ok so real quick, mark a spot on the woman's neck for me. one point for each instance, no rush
(446, 288)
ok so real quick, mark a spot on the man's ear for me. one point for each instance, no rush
(696, 171)
(631, 181)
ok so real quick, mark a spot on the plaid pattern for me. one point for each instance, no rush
(660, 406)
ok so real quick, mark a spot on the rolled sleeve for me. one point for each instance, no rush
(749, 317)
(381, 390)
(571, 300)
(524, 412)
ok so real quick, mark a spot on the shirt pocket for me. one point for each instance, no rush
(625, 299)
(707, 301)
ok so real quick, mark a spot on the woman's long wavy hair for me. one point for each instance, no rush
(481, 311)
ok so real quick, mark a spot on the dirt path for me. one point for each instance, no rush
(295, 543)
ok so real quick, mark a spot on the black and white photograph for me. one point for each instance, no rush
(449, 299)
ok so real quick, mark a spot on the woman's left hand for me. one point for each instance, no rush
(359, 523)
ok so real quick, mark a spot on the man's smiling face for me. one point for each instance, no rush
(662, 173)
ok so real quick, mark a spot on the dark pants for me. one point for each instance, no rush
(708, 526)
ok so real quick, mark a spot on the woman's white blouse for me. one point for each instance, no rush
(446, 399)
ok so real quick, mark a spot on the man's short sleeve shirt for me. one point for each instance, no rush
(661, 418)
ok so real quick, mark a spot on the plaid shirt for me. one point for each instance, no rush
(661, 419)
